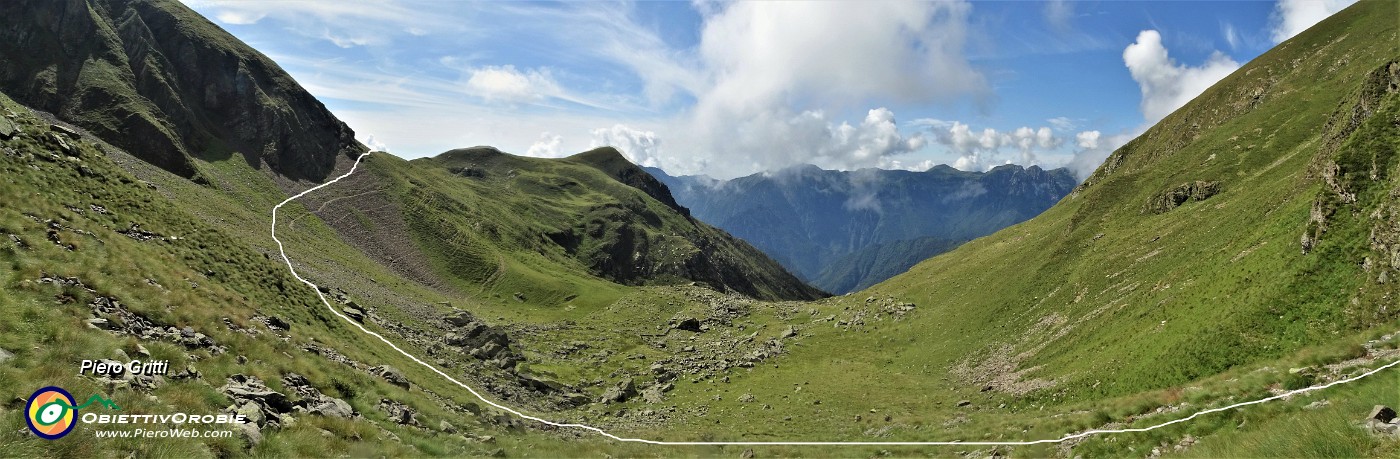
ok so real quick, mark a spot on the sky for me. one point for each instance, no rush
(734, 88)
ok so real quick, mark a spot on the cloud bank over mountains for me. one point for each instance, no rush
(724, 88)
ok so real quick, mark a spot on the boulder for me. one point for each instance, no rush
(654, 394)
(245, 390)
(689, 324)
(398, 412)
(788, 333)
(330, 407)
(447, 427)
(1199, 190)
(313, 401)
(354, 314)
(1381, 414)
(391, 374)
(60, 129)
(8, 129)
(461, 318)
(274, 321)
(620, 392)
(6, 356)
(250, 432)
(62, 144)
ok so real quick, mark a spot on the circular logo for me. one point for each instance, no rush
(51, 413)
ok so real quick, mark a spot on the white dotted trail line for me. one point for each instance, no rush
(604, 433)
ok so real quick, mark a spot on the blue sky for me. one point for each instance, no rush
(732, 88)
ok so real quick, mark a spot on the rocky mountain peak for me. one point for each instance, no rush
(162, 82)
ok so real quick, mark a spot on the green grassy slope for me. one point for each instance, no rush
(1108, 298)
(70, 216)
(1099, 313)
(868, 266)
(1102, 309)
(557, 230)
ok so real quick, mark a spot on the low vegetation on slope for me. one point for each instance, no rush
(1109, 294)
(96, 264)
(549, 229)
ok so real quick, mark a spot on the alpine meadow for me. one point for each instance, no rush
(747, 276)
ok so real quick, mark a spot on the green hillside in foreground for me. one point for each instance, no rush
(1112, 291)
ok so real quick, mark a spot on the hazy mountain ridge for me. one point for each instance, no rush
(809, 219)
(875, 263)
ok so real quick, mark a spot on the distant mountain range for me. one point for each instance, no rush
(846, 230)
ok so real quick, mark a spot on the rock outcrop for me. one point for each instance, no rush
(1174, 197)
(162, 82)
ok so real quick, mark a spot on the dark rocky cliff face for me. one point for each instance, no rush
(157, 79)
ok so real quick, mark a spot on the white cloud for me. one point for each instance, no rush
(1059, 13)
(1231, 36)
(641, 147)
(239, 17)
(1087, 139)
(768, 85)
(979, 150)
(1292, 17)
(1093, 149)
(373, 143)
(895, 164)
(767, 61)
(345, 24)
(1165, 84)
(1061, 123)
(777, 139)
(505, 83)
(349, 40)
(546, 147)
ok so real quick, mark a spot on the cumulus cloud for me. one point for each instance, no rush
(1087, 139)
(979, 150)
(639, 146)
(372, 143)
(505, 83)
(1292, 17)
(546, 147)
(1165, 84)
(895, 164)
(767, 61)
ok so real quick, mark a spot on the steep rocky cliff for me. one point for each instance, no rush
(155, 78)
